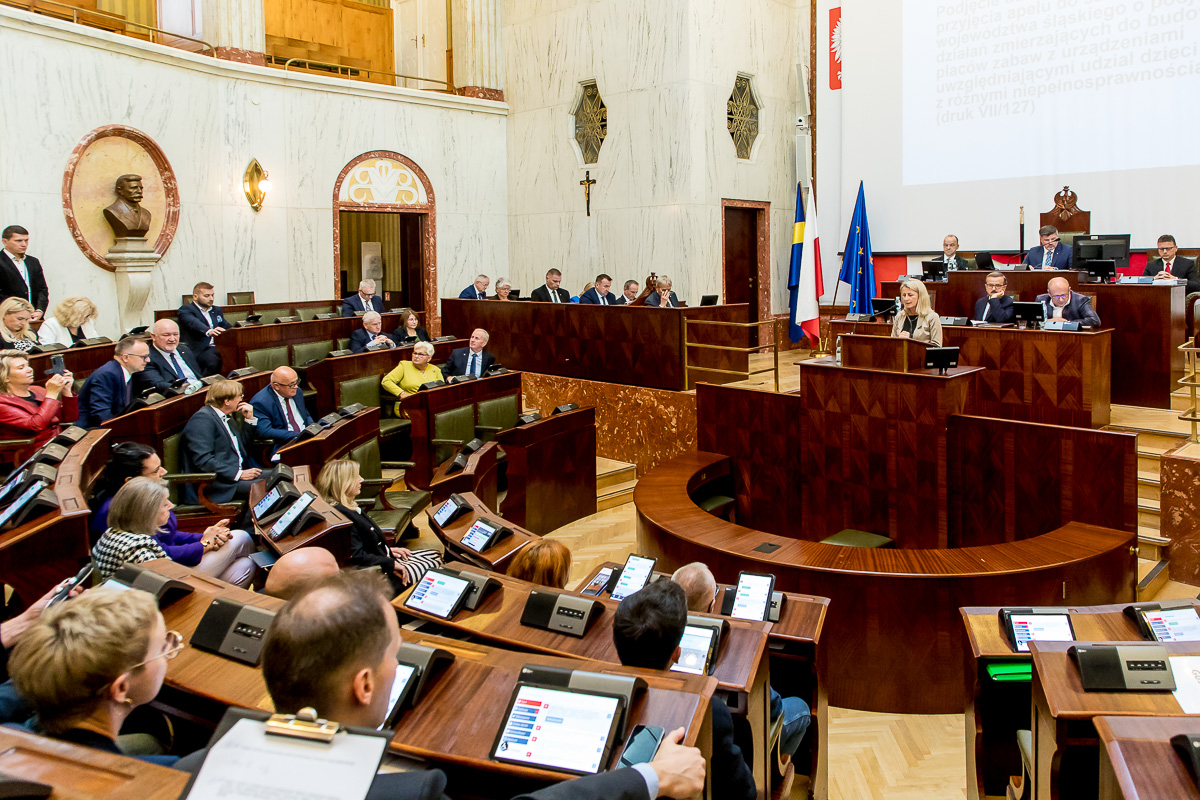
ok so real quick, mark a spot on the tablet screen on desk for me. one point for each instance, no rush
(563, 730)
(291, 515)
(1040, 628)
(695, 650)
(269, 499)
(438, 594)
(1174, 624)
(10, 485)
(404, 674)
(634, 576)
(478, 536)
(20, 502)
(753, 596)
(443, 513)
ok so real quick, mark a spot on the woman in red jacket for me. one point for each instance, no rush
(28, 411)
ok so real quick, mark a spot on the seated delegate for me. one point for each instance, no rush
(339, 484)
(663, 296)
(15, 314)
(280, 408)
(629, 294)
(546, 562)
(410, 330)
(503, 289)
(137, 511)
(950, 253)
(1170, 265)
(169, 361)
(476, 291)
(1062, 303)
(995, 306)
(551, 291)
(599, 294)
(28, 411)
(363, 300)
(371, 333)
(219, 551)
(917, 319)
(408, 376)
(472, 359)
(71, 323)
(108, 391)
(1051, 253)
(218, 439)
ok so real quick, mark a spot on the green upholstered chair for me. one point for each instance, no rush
(968, 262)
(267, 358)
(452, 429)
(310, 313)
(310, 351)
(853, 538)
(344, 343)
(394, 511)
(495, 415)
(172, 462)
(239, 298)
(365, 390)
(235, 316)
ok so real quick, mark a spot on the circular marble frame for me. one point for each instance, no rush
(165, 171)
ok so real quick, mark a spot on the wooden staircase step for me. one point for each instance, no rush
(1149, 462)
(1152, 583)
(616, 495)
(1149, 486)
(610, 472)
(1152, 545)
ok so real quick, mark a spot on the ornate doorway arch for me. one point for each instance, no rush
(388, 182)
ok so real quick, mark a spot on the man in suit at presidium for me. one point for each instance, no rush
(1170, 265)
(1051, 253)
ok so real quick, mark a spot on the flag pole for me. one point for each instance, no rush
(824, 345)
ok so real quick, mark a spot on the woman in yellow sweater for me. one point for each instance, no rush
(408, 376)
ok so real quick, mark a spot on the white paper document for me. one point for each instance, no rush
(249, 764)
(1187, 681)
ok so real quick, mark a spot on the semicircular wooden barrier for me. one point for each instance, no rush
(893, 639)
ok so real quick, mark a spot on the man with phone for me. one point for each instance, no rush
(333, 647)
(647, 628)
(109, 390)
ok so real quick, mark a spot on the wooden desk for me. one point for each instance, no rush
(82, 361)
(326, 376)
(1064, 732)
(496, 558)
(995, 711)
(83, 773)
(334, 442)
(282, 309)
(551, 470)
(442, 730)
(233, 343)
(1056, 377)
(1138, 762)
(35, 556)
(333, 534)
(956, 297)
(480, 477)
(892, 621)
(634, 345)
(741, 668)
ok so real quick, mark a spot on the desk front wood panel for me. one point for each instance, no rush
(233, 343)
(551, 470)
(1138, 761)
(636, 346)
(956, 297)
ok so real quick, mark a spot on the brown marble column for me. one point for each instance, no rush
(1180, 510)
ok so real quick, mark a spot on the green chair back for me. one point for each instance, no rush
(172, 460)
(235, 316)
(310, 313)
(307, 351)
(344, 344)
(499, 412)
(363, 390)
(240, 298)
(453, 425)
(268, 358)
(370, 464)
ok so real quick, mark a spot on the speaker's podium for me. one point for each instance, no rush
(875, 427)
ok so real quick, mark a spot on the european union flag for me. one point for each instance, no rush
(858, 269)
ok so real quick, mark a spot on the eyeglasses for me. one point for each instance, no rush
(1162, 248)
(996, 285)
(1060, 296)
(173, 644)
(136, 355)
(291, 385)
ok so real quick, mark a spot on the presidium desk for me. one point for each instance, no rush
(977, 514)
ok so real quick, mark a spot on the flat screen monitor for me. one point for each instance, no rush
(439, 594)
(1108, 246)
(708, 300)
(933, 270)
(445, 512)
(291, 515)
(268, 500)
(983, 260)
(634, 576)
(559, 729)
(1173, 625)
(404, 676)
(941, 358)
(1028, 628)
(884, 306)
(1032, 313)
(695, 650)
(1103, 270)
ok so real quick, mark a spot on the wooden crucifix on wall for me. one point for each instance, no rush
(587, 184)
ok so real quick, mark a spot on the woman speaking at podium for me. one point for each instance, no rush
(917, 319)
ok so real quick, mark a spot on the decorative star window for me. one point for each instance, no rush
(591, 122)
(742, 114)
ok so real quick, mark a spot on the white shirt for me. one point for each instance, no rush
(553, 294)
(206, 313)
(21, 268)
(284, 402)
(127, 373)
(1055, 311)
(174, 355)
(237, 446)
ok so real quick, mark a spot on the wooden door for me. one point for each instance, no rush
(741, 260)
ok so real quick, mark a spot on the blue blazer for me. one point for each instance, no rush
(654, 297)
(272, 424)
(471, 293)
(458, 362)
(192, 326)
(592, 297)
(360, 338)
(1078, 309)
(104, 395)
(160, 374)
(353, 304)
(1002, 309)
(1061, 259)
(206, 448)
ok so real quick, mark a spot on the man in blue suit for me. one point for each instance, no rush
(370, 333)
(478, 290)
(1051, 253)
(473, 359)
(281, 414)
(169, 360)
(200, 323)
(362, 301)
(1062, 303)
(217, 439)
(995, 306)
(108, 391)
(599, 294)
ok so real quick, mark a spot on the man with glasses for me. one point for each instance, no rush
(170, 362)
(1062, 303)
(1051, 253)
(109, 390)
(281, 413)
(363, 300)
(995, 306)
(1170, 265)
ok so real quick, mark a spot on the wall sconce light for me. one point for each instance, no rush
(256, 183)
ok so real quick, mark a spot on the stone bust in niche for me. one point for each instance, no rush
(126, 215)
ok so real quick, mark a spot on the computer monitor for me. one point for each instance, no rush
(1102, 270)
(1087, 247)
(708, 300)
(1031, 313)
(883, 306)
(983, 260)
(934, 270)
(941, 358)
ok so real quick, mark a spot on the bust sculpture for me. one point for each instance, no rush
(126, 215)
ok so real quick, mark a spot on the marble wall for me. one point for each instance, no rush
(210, 118)
(665, 71)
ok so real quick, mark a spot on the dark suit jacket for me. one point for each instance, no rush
(1078, 309)
(959, 261)
(1002, 309)
(104, 395)
(360, 338)
(1181, 268)
(13, 285)
(160, 374)
(731, 775)
(471, 293)
(353, 304)
(655, 297)
(457, 365)
(620, 299)
(192, 326)
(368, 545)
(542, 295)
(206, 448)
(403, 339)
(592, 297)
(1062, 258)
(272, 424)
